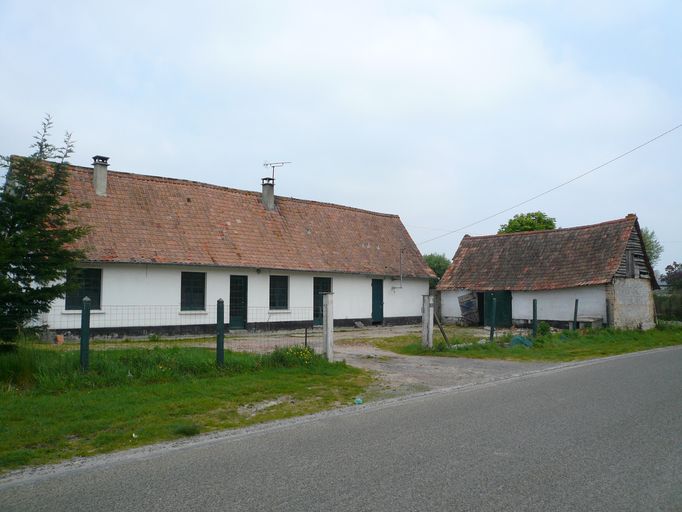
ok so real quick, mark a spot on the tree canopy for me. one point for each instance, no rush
(533, 221)
(36, 232)
(439, 264)
(673, 276)
(653, 247)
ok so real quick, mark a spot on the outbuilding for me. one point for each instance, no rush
(603, 266)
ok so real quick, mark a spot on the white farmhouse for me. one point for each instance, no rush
(161, 252)
(604, 266)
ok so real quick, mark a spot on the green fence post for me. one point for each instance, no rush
(85, 334)
(575, 316)
(535, 318)
(493, 319)
(220, 338)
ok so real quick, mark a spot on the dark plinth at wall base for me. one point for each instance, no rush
(210, 329)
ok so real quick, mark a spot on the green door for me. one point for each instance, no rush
(503, 308)
(238, 305)
(321, 285)
(377, 301)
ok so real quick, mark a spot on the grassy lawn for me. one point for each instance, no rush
(564, 346)
(130, 397)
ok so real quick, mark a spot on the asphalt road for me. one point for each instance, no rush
(605, 435)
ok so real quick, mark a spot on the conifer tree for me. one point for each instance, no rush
(36, 232)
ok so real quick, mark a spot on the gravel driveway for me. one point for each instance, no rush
(398, 374)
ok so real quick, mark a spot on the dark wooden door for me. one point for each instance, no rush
(321, 285)
(503, 308)
(377, 301)
(238, 303)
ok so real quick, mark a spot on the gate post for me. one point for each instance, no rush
(575, 316)
(535, 318)
(85, 334)
(220, 333)
(493, 319)
(427, 321)
(328, 325)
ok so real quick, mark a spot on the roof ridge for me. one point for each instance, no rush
(627, 218)
(181, 181)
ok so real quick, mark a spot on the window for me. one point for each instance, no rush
(279, 292)
(89, 284)
(193, 291)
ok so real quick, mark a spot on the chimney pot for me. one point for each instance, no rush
(99, 174)
(268, 195)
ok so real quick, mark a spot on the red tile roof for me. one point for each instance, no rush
(147, 219)
(540, 260)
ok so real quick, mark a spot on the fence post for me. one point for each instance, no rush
(328, 325)
(85, 334)
(493, 319)
(575, 315)
(535, 318)
(220, 334)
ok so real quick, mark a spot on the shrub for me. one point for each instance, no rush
(544, 329)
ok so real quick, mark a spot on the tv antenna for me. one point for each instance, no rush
(273, 165)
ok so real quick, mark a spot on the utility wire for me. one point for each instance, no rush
(622, 155)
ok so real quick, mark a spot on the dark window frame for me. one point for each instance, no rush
(279, 293)
(193, 291)
(90, 285)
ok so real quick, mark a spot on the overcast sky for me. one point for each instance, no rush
(442, 112)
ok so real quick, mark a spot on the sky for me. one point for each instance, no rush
(442, 112)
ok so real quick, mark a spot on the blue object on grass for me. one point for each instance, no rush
(521, 340)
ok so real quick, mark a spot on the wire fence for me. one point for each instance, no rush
(253, 329)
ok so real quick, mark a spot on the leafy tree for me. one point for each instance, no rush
(533, 221)
(673, 276)
(439, 264)
(36, 232)
(653, 247)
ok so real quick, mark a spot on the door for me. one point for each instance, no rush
(238, 305)
(320, 285)
(502, 308)
(377, 301)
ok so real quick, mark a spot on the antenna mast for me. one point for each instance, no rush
(273, 165)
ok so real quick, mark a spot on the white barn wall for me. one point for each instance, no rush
(148, 295)
(559, 305)
(449, 304)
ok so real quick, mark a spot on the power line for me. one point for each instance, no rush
(556, 187)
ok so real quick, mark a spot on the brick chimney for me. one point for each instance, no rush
(99, 174)
(268, 195)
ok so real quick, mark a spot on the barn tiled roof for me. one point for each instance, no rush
(540, 260)
(147, 219)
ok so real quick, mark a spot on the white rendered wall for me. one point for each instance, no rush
(401, 301)
(555, 305)
(449, 304)
(149, 295)
(559, 304)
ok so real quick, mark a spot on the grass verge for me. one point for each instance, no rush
(51, 411)
(564, 346)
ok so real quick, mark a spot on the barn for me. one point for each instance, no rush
(603, 266)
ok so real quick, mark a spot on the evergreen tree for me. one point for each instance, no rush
(36, 232)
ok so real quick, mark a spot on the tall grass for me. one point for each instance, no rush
(31, 368)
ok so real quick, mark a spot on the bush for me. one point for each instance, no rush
(291, 357)
(544, 329)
